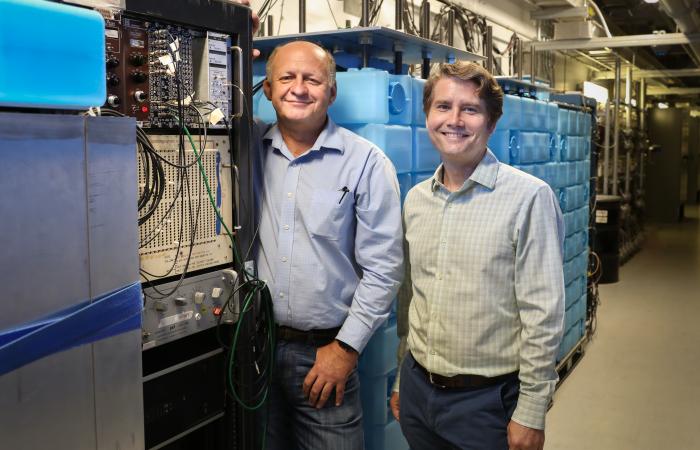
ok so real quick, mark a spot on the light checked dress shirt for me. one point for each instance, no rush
(484, 292)
(330, 233)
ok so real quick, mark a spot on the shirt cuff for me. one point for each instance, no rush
(354, 333)
(397, 380)
(530, 412)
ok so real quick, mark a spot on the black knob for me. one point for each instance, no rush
(112, 80)
(112, 62)
(138, 76)
(137, 59)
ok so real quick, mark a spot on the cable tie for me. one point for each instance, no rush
(216, 116)
(166, 59)
(175, 45)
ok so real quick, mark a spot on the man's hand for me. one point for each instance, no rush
(523, 438)
(395, 404)
(331, 370)
(256, 24)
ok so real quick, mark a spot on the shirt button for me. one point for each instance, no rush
(444, 242)
(281, 294)
(286, 227)
(289, 195)
(284, 259)
(432, 352)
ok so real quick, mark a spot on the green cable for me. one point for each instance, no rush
(211, 196)
(246, 304)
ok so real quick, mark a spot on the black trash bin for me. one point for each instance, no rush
(607, 240)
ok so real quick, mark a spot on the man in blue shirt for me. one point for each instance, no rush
(330, 251)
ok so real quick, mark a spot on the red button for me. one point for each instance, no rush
(144, 109)
(217, 310)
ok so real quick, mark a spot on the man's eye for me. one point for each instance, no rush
(442, 107)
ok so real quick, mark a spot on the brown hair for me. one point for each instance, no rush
(329, 60)
(487, 87)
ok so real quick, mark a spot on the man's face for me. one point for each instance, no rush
(457, 121)
(299, 88)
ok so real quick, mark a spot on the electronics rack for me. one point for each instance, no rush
(182, 69)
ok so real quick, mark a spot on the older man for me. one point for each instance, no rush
(481, 310)
(330, 250)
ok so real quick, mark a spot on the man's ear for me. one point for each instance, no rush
(334, 93)
(267, 89)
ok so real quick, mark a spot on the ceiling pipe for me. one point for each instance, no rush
(688, 21)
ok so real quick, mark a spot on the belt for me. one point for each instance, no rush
(462, 381)
(316, 338)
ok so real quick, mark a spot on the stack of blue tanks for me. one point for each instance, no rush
(553, 143)
(538, 137)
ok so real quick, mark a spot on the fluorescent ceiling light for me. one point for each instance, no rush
(595, 91)
(651, 1)
(662, 105)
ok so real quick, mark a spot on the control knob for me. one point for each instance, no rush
(113, 80)
(140, 96)
(113, 101)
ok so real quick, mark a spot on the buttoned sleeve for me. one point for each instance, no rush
(539, 292)
(378, 250)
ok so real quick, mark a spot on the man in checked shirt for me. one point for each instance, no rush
(481, 308)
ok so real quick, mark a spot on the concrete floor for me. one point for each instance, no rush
(638, 384)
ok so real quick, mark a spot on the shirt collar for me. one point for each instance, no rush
(329, 139)
(485, 173)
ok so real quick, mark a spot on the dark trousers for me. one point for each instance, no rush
(466, 419)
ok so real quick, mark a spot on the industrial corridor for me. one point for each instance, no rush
(636, 387)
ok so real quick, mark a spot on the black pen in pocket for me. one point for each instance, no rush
(344, 190)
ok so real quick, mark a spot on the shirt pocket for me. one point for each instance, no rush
(331, 213)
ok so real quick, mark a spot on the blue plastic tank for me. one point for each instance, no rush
(573, 123)
(421, 176)
(425, 156)
(529, 118)
(371, 96)
(512, 112)
(418, 116)
(52, 55)
(563, 121)
(542, 115)
(529, 147)
(395, 140)
(552, 117)
(499, 143)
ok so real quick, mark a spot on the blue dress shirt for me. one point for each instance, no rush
(330, 233)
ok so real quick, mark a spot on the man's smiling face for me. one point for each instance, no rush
(457, 121)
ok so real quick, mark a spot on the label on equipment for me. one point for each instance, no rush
(137, 43)
(171, 320)
(601, 216)
(111, 33)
